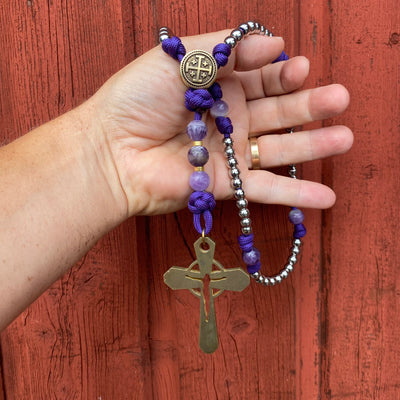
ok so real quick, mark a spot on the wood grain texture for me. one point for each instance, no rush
(111, 329)
(363, 264)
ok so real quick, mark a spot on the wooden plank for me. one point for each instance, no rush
(90, 328)
(359, 302)
(257, 354)
(111, 329)
(363, 303)
(310, 311)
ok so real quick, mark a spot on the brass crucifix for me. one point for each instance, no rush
(196, 280)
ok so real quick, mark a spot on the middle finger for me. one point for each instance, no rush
(279, 112)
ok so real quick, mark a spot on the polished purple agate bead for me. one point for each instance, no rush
(196, 130)
(198, 156)
(219, 109)
(296, 216)
(251, 257)
(199, 181)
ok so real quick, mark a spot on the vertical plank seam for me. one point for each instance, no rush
(326, 221)
(149, 316)
(3, 392)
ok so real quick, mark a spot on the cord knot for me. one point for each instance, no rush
(201, 204)
(224, 125)
(221, 53)
(174, 47)
(198, 99)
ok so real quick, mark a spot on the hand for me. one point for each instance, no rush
(142, 115)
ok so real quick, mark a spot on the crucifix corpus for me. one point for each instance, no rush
(200, 275)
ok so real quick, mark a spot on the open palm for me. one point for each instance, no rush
(142, 113)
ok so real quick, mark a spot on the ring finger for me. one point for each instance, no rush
(285, 149)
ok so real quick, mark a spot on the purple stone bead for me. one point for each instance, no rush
(198, 156)
(196, 130)
(251, 257)
(219, 109)
(296, 216)
(199, 180)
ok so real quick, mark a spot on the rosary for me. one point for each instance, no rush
(206, 278)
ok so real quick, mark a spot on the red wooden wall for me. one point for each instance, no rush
(110, 329)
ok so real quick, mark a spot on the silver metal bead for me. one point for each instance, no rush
(246, 230)
(237, 34)
(266, 281)
(245, 28)
(229, 152)
(228, 141)
(293, 259)
(272, 281)
(230, 41)
(295, 250)
(163, 37)
(251, 25)
(255, 275)
(164, 29)
(289, 267)
(244, 213)
(292, 171)
(262, 29)
(239, 194)
(245, 222)
(278, 279)
(284, 274)
(242, 203)
(268, 33)
(236, 183)
(232, 162)
(260, 279)
(234, 172)
(297, 242)
(256, 27)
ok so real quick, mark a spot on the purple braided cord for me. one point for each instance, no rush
(215, 91)
(201, 204)
(198, 99)
(282, 57)
(174, 47)
(299, 231)
(224, 125)
(246, 242)
(251, 269)
(246, 245)
(221, 53)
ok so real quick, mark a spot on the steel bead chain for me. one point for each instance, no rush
(237, 35)
(245, 223)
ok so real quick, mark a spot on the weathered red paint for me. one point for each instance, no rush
(110, 329)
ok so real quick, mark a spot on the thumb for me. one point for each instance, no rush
(252, 52)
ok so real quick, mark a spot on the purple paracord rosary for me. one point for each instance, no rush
(199, 100)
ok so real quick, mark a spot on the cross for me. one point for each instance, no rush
(198, 65)
(194, 279)
(198, 69)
